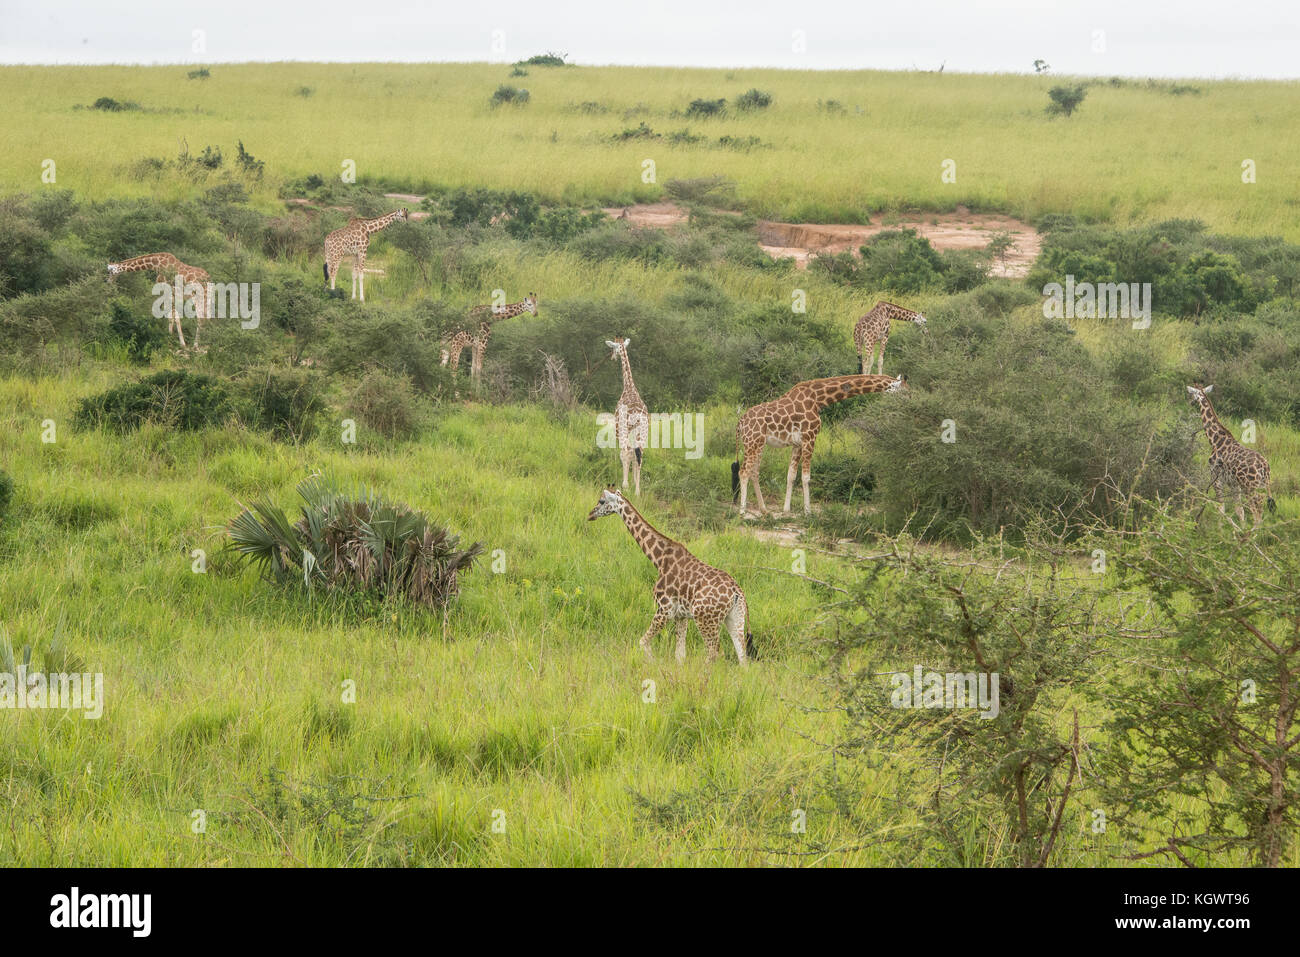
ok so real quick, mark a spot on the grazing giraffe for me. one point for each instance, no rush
(477, 341)
(794, 419)
(166, 268)
(873, 329)
(353, 240)
(633, 418)
(1232, 464)
(686, 588)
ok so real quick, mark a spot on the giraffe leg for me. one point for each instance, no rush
(333, 271)
(180, 331)
(656, 626)
(682, 625)
(710, 621)
(789, 475)
(361, 276)
(626, 455)
(805, 466)
(735, 623)
(881, 369)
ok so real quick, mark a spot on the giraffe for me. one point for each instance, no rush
(633, 418)
(686, 588)
(353, 240)
(477, 341)
(873, 329)
(1231, 463)
(166, 268)
(794, 419)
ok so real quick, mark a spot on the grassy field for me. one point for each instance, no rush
(517, 729)
(1131, 152)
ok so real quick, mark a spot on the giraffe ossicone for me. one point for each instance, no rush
(687, 589)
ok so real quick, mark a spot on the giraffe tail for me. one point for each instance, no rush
(637, 452)
(1272, 505)
(735, 474)
(326, 267)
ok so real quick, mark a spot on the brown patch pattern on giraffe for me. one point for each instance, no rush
(686, 589)
(794, 419)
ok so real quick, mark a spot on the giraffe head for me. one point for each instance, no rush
(619, 346)
(920, 321)
(611, 503)
(530, 303)
(114, 269)
(898, 385)
(1200, 397)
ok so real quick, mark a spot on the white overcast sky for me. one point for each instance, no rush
(1192, 38)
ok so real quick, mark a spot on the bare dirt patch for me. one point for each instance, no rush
(657, 215)
(803, 241)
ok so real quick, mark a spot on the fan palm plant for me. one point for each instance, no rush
(353, 539)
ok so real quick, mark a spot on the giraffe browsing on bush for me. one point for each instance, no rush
(632, 418)
(353, 240)
(686, 588)
(166, 268)
(873, 329)
(1233, 465)
(794, 419)
(477, 340)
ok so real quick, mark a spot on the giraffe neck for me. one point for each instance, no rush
(898, 312)
(654, 543)
(629, 387)
(824, 392)
(374, 225)
(1215, 430)
(152, 261)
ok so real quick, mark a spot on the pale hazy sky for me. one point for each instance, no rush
(1194, 38)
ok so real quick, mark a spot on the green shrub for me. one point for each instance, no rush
(1027, 439)
(6, 492)
(353, 541)
(504, 94)
(285, 402)
(1065, 99)
(173, 398)
(753, 99)
(142, 335)
(707, 108)
(386, 403)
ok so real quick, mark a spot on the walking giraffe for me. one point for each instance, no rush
(794, 419)
(353, 240)
(873, 329)
(477, 341)
(1232, 464)
(166, 268)
(632, 418)
(686, 588)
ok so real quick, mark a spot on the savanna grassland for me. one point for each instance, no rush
(516, 725)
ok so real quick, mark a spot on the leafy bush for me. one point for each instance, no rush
(285, 402)
(353, 541)
(545, 59)
(901, 260)
(753, 99)
(142, 335)
(509, 94)
(1065, 99)
(110, 105)
(173, 398)
(6, 492)
(1026, 440)
(386, 403)
(707, 108)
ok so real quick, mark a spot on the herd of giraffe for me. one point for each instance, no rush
(686, 588)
